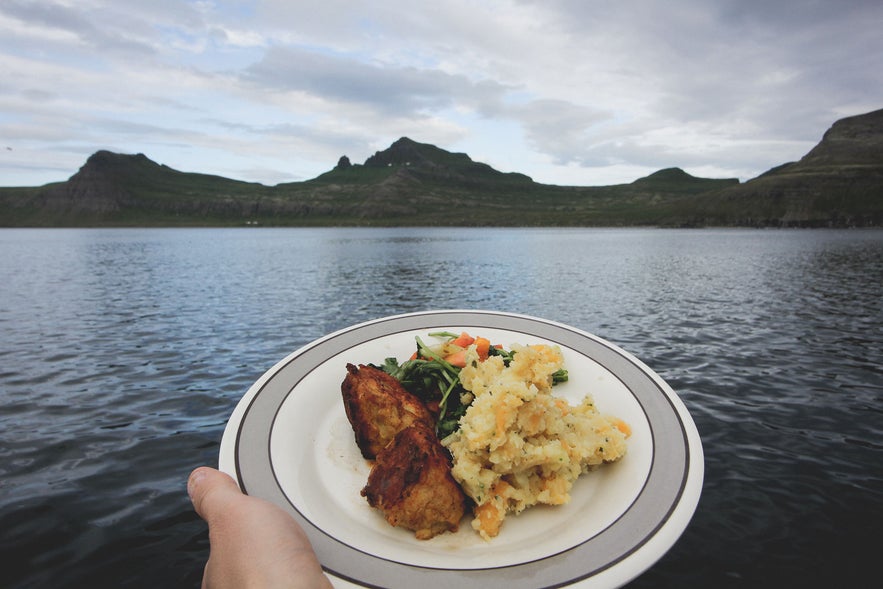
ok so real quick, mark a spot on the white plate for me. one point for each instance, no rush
(289, 441)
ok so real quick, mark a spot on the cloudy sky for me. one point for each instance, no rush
(570, 92)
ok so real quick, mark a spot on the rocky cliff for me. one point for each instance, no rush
(98, 187)
(851, 142)
(839, 183)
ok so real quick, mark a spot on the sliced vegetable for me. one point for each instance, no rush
(457, 358)
(483, 347)
(464, 340)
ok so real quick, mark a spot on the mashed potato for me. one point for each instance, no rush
(518, 445)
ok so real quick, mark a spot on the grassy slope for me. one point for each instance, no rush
(839, 182)
(394, 195)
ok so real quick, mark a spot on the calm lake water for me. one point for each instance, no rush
(123, 352)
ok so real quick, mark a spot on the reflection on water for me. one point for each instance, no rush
(122, 352)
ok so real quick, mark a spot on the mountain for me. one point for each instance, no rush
(838, 183)
(117, 189)
(409, 183)
(429, 163)
(675, 180)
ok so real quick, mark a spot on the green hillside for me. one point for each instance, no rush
(838, 183)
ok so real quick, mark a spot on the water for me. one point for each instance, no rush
(122, 352)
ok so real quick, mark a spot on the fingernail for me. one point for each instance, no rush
(196, 476)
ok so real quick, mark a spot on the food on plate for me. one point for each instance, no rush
(410, 481)
(518, 445)
(378, 407)
(467, 422)
(433, 374)
(411, 484)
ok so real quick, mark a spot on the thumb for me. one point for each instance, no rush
(210, 490)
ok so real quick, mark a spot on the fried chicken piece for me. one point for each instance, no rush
(411, 484)
(378, 407)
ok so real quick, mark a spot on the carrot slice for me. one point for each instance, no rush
(463, 340)
(482, 346)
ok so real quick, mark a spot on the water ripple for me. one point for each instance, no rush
(123, 353)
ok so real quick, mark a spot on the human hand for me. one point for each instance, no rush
(254, 543)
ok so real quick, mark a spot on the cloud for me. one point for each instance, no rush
(558, 128)
(56, 22)
(402, 91)
(562, 90)
(717, 61)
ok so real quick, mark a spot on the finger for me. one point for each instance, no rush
(210, 490)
